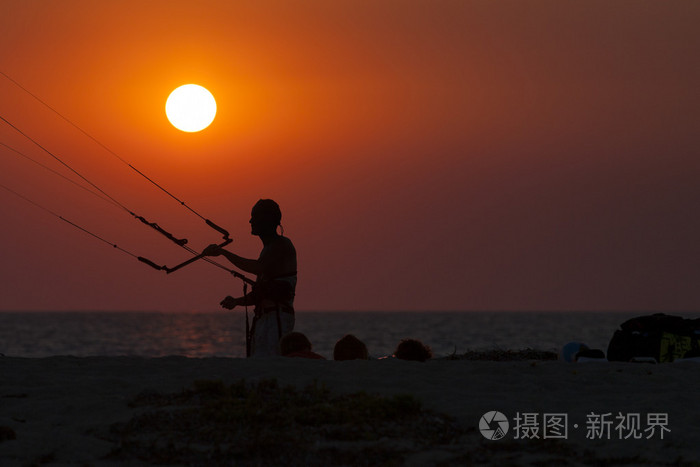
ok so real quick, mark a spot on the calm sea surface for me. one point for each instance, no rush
(221, 334)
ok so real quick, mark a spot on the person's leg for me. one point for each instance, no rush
(265, 340)
(287, 322)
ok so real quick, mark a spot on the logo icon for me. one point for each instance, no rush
(493, 425)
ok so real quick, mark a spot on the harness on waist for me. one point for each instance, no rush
(279, 289)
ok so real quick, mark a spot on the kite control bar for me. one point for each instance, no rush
(219, 229)
(183, 264)
(227, 240)
(199, 256)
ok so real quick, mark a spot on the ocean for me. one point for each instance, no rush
(221, 333)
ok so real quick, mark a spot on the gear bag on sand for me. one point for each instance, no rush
(659, 336)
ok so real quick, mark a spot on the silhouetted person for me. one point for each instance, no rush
(350, 348)
(412, 349)
(275, 284)
(296, 344)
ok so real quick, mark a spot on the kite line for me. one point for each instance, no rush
(99, 192)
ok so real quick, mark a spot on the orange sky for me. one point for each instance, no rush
(442, 155)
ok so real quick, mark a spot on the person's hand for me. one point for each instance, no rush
(212, 250)
(229, 303)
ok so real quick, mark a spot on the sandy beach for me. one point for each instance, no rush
(59, 410)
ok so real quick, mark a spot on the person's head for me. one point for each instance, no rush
(350, 348)
(294, 342)
(412, 349)
(265, 217)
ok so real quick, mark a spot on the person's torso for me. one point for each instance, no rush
(276, 285)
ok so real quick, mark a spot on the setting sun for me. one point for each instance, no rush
(190, 108)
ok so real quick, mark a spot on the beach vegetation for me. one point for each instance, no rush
(267, 423)
(42, 459)
(503, 355)
(7, 433)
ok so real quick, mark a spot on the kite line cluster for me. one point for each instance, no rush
(99, 192)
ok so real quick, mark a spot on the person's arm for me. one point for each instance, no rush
(230, 302)
(252, 266)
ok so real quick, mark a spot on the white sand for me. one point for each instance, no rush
(58, 406)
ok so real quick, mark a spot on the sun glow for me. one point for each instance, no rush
(190, 108)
